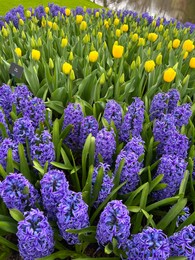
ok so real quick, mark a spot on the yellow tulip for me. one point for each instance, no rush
(135, 37)
(55, 26)
(185, 55)
(106, 24)
(21, 22)
(116, 21)
(125, 27)
(83, 25)
(71, 56)
(43, 23)
(118, 32)
(79, 18)
(192, 63)
(97, 14)
(67, 12)
(141, 42)
(188, 45)
(149, 66)
(66, 68)
(152, 37)
(160, 28)
(28, 13)
(86, 38)
(93, 56)
(51, 64)
(47, 9)
(64, 42)
(18, 51)
(50, 24)
(99, 35)
(36, 55)
(117, 51)
(176, 43)
(169, 75)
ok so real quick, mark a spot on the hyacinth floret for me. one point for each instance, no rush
(35, 111)
(182, 242)
(54, 187)
(182, 114)
(105, 145)
(89, 125)
(12, 15)
(183, 216)
(113, 112)
(159, 106)
(173, 168)
(129, 171)
(133, 120)
(114, 223)
(40, 12)
(135, 145)
(107, 183)
(55, 10)
(17, 192)
(35, 235)
(73, 115)
(72, 214)
(21, 96)
(3, 121)
(42, 148)
(7, 144)
(23, 130)
(6, 99)
(174, 97)
(151, 243)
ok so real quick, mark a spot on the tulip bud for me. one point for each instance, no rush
(33, 43)
(122, 79)
(159, 59)
(186, 79)
(71, 56)
(138, 61)
(39, 42)
(159, 46)
(133, 65)
(102, 79)
(72, 75)
(170, 45)
(23, 35)
(109, 73)
(51, 64)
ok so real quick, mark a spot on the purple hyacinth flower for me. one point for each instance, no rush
(176, 144)
(129, 171)
(40, 12)
(54, 187)
(23, 130)
(17, 192)
(73, 115)
(159, 106)
(107, 183)
(135, 145)
(7, 144)
(105, 145)
(173, 169)
(183, 216)
(6, 100)
(113, 111)
(174, 97)
(182, 114)
(3, 121)
(133, 121)
(42, 148)
(35, 111)
(89, 125)
(21, 96)
(35, 235)
(182, 243)
(151, 243)
(114, 223)
(72, 214)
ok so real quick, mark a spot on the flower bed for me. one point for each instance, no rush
(97, 149)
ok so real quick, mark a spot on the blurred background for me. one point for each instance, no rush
(183, 10)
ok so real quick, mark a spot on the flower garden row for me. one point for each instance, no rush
(97, 150)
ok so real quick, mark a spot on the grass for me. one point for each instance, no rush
(7, 5)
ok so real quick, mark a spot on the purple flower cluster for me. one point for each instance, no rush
(40, 12)
(35, 236)
(42, 148)
(133, 120)
(89, 125)
(6, 100)
(151, 243)
(21, 96)
(107, 183)
(135, 145)
(55, 10)
(105, 145)
(113, 112)
(182, 243)
(182, 115)
(54, 187)
(129, 171)
(5, 145)
(72, 214)
(114, 223)
(14, 14)
(17, 192)
(173, 168)
(23, 130)
(183, 216)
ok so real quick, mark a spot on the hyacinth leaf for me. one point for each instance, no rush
(133, 194)
(91, 229)
(65, 132)
(92, 151)
(160, 186)
(172, 213)
(8, 226)
(97, 186)
(149, 217)
(183, 184)
(108, 249)
(155, 182)
(117, 176)
(177, 258)
(16, 214)
(161, 203)
(85, 154)
(74, 174)
(86, 238)
(56, 134)
(3, 131)
(66, 159)
(13, 116)
(134, 209)
(99, 258)
(63, 254)
(149, 154)
(7, 243)
(3, 172)
(86, 192)
(10, 163)
(102, 205)
(24, 166)
(56, 106)
(38, 167)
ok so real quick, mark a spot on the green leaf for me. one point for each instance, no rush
(16, 214)
(177, 258)
(133, 194)
(7, 243)
(55, 105)
(3, 172)
(87, 189)
(92, 151)
(24, 168)
(38, 167)
(117, 175)
(97, 186)
(161, 203)
(155, 182)
(85, 154)
(149, 154)
(65, 132)
(172, 213)
(134, 209)
(10, 227)
(66, 159)
(82, 230)
(56, 134)
(62, 166)
(149, 218)
(10, 164)
(108, 249)
(63, 254)
(3, 131)
(184, 182)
